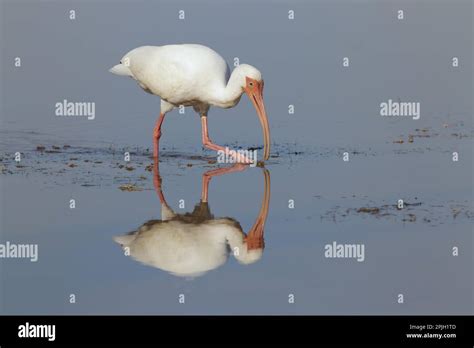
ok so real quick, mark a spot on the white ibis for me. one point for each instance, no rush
(189, 245)
(197, 76)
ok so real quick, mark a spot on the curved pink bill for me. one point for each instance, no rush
(256, 96)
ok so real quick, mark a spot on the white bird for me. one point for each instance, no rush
(186, 247)
(194, 75)
(189, 245)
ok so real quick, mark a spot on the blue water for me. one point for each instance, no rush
(407, 251)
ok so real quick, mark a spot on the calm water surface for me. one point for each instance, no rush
(407, 251)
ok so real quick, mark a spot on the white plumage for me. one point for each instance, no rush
(188, 249)
(197, 76)
(190, 244)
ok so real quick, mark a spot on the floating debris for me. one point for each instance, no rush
(460, 135)
(456, 211)
(409, 204)
(255, 148)
(130, 188)
(129, 168)
(433, 214)
(410, 218)
(373, 210)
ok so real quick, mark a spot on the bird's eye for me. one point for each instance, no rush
(251, 84)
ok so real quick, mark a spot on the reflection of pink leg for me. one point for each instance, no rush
(206, 141)
(157, 181)
(157, 135)
(207, 176)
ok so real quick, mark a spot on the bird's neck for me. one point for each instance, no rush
(230, 94)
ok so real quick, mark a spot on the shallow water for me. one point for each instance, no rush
(403, 254)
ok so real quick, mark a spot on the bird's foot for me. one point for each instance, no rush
(240, 158)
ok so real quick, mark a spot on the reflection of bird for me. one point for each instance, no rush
(189, 245)
(197, 76)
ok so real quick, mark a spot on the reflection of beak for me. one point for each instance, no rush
(255, 235)
(256, 96)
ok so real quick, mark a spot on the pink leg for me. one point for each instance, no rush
(206, 141)
(157, 135)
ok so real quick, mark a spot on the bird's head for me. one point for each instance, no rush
(135, 56)
(252, 84)
(123, 68)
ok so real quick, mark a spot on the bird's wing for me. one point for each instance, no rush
(157, 72)
(178, 73)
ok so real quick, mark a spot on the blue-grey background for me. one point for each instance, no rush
(336, 110)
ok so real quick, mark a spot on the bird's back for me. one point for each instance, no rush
(180, 74)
